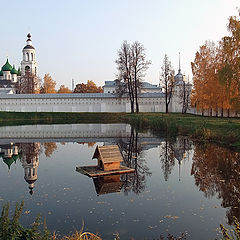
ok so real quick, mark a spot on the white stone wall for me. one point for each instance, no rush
(76, 103)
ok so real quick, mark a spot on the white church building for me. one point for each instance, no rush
(9, 76)
(151, 97)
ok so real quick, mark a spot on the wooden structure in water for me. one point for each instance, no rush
(109, 159)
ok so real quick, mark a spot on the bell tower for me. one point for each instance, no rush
(28, 63)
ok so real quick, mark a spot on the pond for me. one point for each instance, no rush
(178, 186)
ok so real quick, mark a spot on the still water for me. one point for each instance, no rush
(178, 186)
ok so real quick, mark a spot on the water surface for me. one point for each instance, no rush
(178, 186)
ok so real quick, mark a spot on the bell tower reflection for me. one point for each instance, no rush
(30, 163)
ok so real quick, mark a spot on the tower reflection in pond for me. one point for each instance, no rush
(107, 184)
(28, 154)
(30, 162)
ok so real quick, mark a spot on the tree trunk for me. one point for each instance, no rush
(136, 94)
(222, 112)
(166, 103)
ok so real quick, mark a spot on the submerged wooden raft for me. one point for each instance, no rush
(94, 171)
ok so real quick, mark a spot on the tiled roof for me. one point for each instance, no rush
(144, 85)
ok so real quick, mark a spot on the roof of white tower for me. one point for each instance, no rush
(29, 42)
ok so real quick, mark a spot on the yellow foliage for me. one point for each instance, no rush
(48, 84)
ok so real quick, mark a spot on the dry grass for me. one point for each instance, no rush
(79, 236)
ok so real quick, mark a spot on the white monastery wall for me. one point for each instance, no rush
(98, 102)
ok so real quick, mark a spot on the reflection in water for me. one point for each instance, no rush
(9, 153)
(90, 144)
(172, 150)
(30, 162)
(133, 158)
(49, 148)
(28, 154)
(108, 184)
(214, 170)
(217, 172)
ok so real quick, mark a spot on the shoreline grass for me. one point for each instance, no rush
(224, 131)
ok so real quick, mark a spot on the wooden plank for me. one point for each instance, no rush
(94, 171)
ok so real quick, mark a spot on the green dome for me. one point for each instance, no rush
(8, 161)
(7, 66)
(1, 73)
(14, 71)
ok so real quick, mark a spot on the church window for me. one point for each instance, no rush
(27, 69)
(27, 54)
(32, 56)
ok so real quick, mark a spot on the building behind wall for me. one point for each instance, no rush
(23, 80)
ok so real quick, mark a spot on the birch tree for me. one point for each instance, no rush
(167, 80)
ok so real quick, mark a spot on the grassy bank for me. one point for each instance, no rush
(22, 118)
(225, 131)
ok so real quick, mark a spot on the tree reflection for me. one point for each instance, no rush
(133, 158)
(167, 158)
(49, 148)
(90, 144)
(172, 150)
(217, 172)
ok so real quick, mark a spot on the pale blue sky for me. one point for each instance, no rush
(80, 39)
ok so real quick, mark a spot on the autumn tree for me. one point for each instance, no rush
(48, 84)
(131, 65)
(167, 80)
(64, 89)
(229, 70)
(90, 87)
(216, 73)
(207, 93)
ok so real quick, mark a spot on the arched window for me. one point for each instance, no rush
(32, 56)
(27, 69)
(27, 54)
